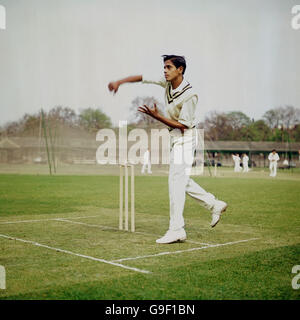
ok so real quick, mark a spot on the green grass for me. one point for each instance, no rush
(260, 208)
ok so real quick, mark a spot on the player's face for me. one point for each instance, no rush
(170, 71)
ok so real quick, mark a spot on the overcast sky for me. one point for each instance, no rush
(241, 55)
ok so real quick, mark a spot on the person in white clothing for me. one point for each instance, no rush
(273, 158)
(146, 162)
(237, 162)
(285, 163)
(245, 160)
(181, 102)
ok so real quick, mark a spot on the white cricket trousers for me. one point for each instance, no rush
(146, 165)
(273, 168)
(182, 149)
(245, 167)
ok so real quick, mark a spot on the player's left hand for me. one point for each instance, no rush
(153, 112)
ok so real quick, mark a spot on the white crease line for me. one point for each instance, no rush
(40, 220)
(183, 251)
(97, 216)
(112, 228)
(75, 254)
(88, 225)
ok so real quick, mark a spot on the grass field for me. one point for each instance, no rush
(59, 238)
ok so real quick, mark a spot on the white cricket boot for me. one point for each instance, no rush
(217, 210)
(172, 236)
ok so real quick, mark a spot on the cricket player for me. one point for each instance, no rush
(245, 160)
(237, 160)
(285, 163)
(146, 162)
(181, 102)
(273, 158)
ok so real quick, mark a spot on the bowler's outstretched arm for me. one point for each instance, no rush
(114, 85)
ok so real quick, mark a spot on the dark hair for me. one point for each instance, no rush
(178, 61)
(273, 150)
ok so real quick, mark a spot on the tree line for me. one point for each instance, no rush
(89, 120)
(279, 124)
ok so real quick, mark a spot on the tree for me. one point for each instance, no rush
(296, 133)
(65, 115)
(29, 124)
(94, 119)
(12, 128)
(217, 126)
(257, 131)
(272, 118)
(285, 117)
(238, 119)
(291, 116)
(226, 126)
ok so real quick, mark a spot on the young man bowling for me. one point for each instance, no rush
(181, 102)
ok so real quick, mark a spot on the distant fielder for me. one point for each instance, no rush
(245, 160)
(181, 101)
(237, 162)
(273, 158)
(146, 162)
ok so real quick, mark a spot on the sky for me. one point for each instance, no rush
(241, 55)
